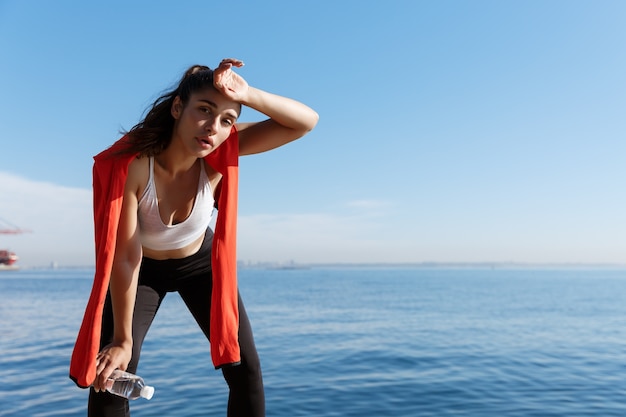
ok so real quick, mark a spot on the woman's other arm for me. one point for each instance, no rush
(123, 286)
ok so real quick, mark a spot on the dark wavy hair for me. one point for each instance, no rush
(154, 133)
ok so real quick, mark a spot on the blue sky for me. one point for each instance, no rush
(450, 131)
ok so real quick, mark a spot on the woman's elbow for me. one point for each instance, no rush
(128, 259)
(308, 124)
(313, 119)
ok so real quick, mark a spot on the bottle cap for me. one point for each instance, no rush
(147, 392)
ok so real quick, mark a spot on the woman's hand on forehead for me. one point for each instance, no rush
(229, 83)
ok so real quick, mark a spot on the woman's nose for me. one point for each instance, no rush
(211, 125)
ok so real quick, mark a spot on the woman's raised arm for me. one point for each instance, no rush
(288, 119)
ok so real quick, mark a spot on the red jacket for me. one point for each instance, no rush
(109, 177)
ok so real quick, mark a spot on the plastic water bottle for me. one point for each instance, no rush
(128, 385)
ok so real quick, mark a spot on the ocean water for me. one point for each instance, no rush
(351, 342)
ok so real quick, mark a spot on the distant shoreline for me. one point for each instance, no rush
(436, 265)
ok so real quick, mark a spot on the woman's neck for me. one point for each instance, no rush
(175, 163)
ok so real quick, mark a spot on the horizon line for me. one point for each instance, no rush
(420, 264)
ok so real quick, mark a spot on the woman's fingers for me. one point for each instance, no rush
(232, 61)
(109, 359)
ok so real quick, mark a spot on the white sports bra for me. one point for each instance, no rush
(156, 235)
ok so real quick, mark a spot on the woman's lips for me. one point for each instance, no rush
(205, 141)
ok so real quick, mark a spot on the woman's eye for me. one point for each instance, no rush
(227, 122)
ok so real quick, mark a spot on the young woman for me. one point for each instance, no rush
(154, 196)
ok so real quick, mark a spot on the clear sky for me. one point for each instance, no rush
(450, 131)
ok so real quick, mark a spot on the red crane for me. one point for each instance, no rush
(10, 229)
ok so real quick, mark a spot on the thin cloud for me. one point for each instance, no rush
(61, 223)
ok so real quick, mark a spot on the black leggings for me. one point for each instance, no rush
(192, 278)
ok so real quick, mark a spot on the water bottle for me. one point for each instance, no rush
(128, 386)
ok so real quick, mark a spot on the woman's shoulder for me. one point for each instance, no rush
(138, 174)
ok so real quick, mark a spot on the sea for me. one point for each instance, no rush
(351, 341)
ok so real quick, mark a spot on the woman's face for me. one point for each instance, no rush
(205, 121)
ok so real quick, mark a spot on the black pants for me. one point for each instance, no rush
(192, 278)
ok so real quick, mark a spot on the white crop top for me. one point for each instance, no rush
(156, 235)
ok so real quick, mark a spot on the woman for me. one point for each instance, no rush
(154, 193)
